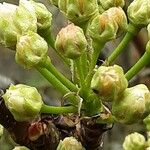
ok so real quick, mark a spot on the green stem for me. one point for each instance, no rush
(143, 61)
(97, 49)
(80, 71)
(58, 110)
(56, 83)
(49, 66)
(97, 46)
(132, 31)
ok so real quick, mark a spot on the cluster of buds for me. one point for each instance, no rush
(71, 41)
(24, 102)
(19, 26)
(109, 82)
(134, 141)
(108, 25)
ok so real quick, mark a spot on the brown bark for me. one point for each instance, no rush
(46, 132)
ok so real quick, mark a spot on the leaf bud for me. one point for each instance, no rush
(105, 5)
(108, 25)
(71, 41)
(8, 32)
(24, 102)
(109, 82)
(31, 49)
(134, 141)
(20, 148)
(44, 17)
(69, 143)
(25, 17)
(79, 11)
(131, 107)
(138, 13)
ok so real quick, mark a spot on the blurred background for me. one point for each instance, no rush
(10, 72)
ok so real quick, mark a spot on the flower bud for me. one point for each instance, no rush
(134, 141)
(70, 143)
(31, 49)
(44, 17)
(8, 32)
(109, 82)
(105, 5)
(131, 105)
(78, 11)
(24, 102)
(108, 25)
(25, 17)
(71, 41)
(20, 148)
(54, 2)
(138, 12)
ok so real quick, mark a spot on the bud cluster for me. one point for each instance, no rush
(18, 30)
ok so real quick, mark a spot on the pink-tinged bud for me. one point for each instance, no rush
(31, 49)
(71, 41)
(109, 82)
(108, 25)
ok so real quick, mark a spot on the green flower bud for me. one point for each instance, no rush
(78, 11)
(44, 17)
(24, 102)
(147, 122)
(54, 2)
(131, 106)
(138, 12)
(31, 49)
(25, 17)
(20, 148)
(8, 32)
(70, 143)
(71, 41)
(109, 82)
(1, 130)
(105, 5)
(108, 25)
(134, 141)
